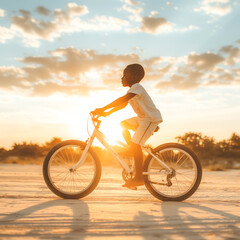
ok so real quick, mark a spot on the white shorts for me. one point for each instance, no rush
(143, 129)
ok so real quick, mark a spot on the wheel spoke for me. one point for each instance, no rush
(183, 177)
(67, 180)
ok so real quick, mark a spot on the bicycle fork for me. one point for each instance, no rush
(84, 154)
(101, 139)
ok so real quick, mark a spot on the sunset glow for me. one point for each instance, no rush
(62, 59)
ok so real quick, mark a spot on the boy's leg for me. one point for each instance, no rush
(138, 160)
(128, 124)
(126, 135)
(143, 132)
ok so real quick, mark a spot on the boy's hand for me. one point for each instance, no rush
(100, 112)
(97, 111)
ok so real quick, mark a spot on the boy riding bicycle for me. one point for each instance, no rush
(146, 122)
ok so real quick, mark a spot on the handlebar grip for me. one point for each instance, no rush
(95, 119)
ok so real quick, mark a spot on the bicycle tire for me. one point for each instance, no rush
(57, 165)
(190, 164)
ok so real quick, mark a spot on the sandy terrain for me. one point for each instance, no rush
(30, 211)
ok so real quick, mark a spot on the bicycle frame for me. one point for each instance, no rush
(102, 139)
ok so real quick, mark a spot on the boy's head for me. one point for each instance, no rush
(133, 73)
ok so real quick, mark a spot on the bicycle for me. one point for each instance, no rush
(71, 169)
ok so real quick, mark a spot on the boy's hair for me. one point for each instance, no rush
(137, 70)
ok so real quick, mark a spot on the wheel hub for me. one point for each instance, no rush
(128, 176)
(72, 170)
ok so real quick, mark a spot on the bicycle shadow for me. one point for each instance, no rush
(187, 221)
(55, 224)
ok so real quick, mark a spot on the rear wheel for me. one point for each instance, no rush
(184, 178)
(60, 176)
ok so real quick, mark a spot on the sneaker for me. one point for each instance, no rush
(133, 183)
(132, 188)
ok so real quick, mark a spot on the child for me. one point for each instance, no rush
(146, 122)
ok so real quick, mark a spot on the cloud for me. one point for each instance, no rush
(65, 70)
(169, 3)
(78, 71)
(186, 29)
(2, 12)
(72, 10)
(73, 62)
(155, 25)
(133, 8)
(58, 22)
(232, 52)
(215, 7)
(30, 27)
(11, 77)
(158, 72)
(202, 70)
(181, 82)
(103, 23)
(132, 2)
(157, 67)
(205, 61)
(6, 33)
(151, 24)
(43, 11)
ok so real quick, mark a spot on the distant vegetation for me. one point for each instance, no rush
(27, 153)
(214, 155)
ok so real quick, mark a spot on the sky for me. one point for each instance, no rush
(62, 59)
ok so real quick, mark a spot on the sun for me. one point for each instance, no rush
(81, 128)
(111, 128)
(77, 123)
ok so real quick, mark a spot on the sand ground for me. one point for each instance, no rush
(28, 210)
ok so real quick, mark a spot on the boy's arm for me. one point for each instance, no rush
(114, 109)
(116, 105)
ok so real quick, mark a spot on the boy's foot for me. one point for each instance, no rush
(132, 188)
(134, 183)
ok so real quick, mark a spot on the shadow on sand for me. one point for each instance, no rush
(71, 217)
(187, 221)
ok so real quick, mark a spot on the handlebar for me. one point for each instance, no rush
(95, 119)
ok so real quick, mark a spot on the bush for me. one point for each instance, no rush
(3, 152)
(48, 145)
(25, 150)
(225, 152)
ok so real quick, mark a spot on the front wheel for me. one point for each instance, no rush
(185, 175)
(65, 181)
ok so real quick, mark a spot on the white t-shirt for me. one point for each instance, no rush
(143, 105)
